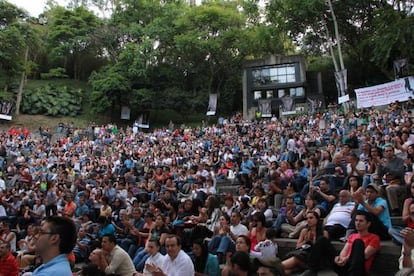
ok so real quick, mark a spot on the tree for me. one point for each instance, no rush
(69, 38)
(11, 52)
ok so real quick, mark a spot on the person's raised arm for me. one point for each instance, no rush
(408, 235)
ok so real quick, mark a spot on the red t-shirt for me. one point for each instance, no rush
(9, 266)
(369, 240)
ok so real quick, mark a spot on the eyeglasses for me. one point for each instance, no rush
(46, 233)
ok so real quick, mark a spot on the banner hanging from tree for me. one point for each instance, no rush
(342, 86)
(212, 105)
(398, 90)
(143, 120)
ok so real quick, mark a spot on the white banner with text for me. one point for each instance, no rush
(398, 90)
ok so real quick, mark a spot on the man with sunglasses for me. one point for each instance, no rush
(55, 240)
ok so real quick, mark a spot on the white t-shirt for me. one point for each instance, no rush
(239, 229)
(157, 260)
(182, 265)
(340, 214)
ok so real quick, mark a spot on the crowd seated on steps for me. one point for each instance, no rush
(146, 186)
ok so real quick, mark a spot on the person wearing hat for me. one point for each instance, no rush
(372, 202)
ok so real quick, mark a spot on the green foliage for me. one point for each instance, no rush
(70, 39)
(108, 87)
(54, 73)
(53, 101)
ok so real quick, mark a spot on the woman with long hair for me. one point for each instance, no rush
(105, 209)
(300, 219)
(205, 263)
(353, 183)
(297, 259)
(220, 233)
(213, 212)
(243, 245)
(257, 231)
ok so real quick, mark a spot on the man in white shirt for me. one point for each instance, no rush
(176, 263)
(340, 216)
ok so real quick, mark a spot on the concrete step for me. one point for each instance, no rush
(386, 263)
(228, 190)
(397, 221)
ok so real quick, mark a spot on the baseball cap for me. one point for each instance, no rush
(375, 187)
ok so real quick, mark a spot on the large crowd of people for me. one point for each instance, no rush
(148, 203)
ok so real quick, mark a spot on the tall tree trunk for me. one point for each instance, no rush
(22, 82)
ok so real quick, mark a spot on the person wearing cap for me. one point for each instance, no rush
(373, 203)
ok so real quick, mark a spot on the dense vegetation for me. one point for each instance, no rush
(170, 55)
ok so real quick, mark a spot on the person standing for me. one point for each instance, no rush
(55, 240)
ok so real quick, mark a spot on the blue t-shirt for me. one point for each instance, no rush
(59, 265)
(384, 216)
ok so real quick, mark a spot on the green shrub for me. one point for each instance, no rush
(53, 101)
